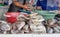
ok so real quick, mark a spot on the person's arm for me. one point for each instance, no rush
(20, 5)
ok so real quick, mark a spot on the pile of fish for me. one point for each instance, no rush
(36, 24)
(30, 24)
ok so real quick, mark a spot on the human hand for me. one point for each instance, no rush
(27, 8)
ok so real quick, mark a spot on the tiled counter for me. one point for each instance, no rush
(31, 35)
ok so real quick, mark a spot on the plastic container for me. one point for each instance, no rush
(46, 14)
(2, 5)
(24, 11)
(11, 17)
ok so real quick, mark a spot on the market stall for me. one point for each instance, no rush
(34, 21)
